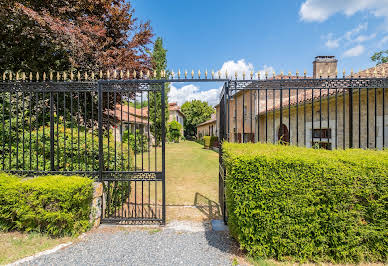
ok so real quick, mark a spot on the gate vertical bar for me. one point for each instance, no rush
(163, 156)
(100, 136)
(52, 167)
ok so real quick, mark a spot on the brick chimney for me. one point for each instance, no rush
(324, 66)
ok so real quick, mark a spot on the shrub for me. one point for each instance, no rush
(56, 205)
(303, 204)
(210, 141)
(174, 131)
(75, 149)
(138, 144)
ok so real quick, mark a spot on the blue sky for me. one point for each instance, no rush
(279, 35)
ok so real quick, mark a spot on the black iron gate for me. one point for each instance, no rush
(112, 131)
(132, 150)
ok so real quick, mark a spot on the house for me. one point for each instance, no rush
(130, 118)
(310, 117)
(175, 114)
(207, 128)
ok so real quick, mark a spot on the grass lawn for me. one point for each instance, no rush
(14, 245)
(191, 177)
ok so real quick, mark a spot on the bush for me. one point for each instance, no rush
(210, 141)
(141, 143)
(174, 131)
(301, 204)
(55, 205)
(75, 149)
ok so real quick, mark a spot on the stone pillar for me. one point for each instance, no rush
(96, 206)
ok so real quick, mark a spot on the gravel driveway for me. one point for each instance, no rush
(179, 243)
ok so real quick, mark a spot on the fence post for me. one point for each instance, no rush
(52, 166)
(163, 156)
(100, 136)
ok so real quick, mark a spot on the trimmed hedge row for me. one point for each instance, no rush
(300, 204)
(55, 205)
(210, 141)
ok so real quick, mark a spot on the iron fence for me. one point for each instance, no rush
(330, 113)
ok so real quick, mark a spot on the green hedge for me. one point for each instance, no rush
(55, 205)
(300, 204)
(210, 141)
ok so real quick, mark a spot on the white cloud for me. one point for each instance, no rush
(321, 10)
(240, 67)
(354, 51)
(332, 43)
(361, 27)
(192, 92)
(364, 38)
(349, 37)
(383, 41)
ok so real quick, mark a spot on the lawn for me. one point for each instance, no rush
(14, 245)
(191, 178)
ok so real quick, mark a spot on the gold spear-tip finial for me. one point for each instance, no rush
(121, 74)
(58, 76)
(101, 75)
(37, 76)
(205, 73)
(289, 73)
(86, 75)
(185, 74)
(17, 76)
(212, 74)
(115, 74)
(134, 74)
(235, 74)
(305, 73)
(148, 74)
(51, 75)
(199, 74)
(273, 74)
(79, 76)
(251, 74)
(30, 76)
(179, 73)
(297, 73)
(71, 75)
(141, 74)
(192, 73)
(343, 72)
(243, 75)
(24, 76)
(92, 75)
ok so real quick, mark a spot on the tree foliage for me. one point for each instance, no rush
(159, 62)
(196, 112)
(174, 131)
(379, 57)
(84, 34)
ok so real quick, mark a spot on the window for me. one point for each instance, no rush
(323, 133)
(322, 145)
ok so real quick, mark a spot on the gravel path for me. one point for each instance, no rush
(176, 244)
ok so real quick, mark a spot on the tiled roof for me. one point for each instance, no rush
(212, 119)
(140, 116)
(377, 71)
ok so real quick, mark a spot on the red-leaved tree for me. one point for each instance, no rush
(43, 35)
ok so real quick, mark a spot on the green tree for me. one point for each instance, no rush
(196, 112)
(174, 131)
(159, 62)
(380, 57)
